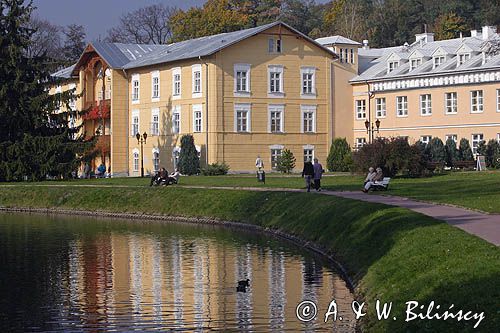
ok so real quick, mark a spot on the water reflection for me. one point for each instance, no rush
(78, 274)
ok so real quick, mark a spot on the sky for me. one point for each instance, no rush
(98, 16)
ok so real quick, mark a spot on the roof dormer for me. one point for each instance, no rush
(417, 58)
(440, 56)
(395, 60)
(464, 53)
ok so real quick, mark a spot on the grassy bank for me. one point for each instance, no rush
(392, 254)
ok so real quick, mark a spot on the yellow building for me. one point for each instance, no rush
(261, 90)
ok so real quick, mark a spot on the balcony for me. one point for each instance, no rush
(103, 144)
(98, 110)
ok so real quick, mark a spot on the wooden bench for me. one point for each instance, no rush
(381, 186)
(464, 164)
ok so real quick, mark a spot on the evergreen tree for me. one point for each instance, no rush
(340, 156)
(35, 138)
(74, 43)
(464, 150)
(189, 162)
(437, 150)
(492, 154)
(451, 152)
(286, 162)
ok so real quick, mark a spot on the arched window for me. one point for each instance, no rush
(175, 156)
(136, 160)
(156, 159)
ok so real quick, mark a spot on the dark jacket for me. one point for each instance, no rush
(308, 169)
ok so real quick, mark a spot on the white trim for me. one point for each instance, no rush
(384, 100)
(196, 68)
(308, 70)
(155, 112)
(135, 78)
(176, 71)
(243, 107)
(242, 68)
(452, 93)
(362, 107)
(479, 97)
(134, 152)
(303, 110)
(155, 74)
(176, 109)
(275, 69)
(276, 147)
(428, 105)
(403, 103)
(431, 127)
(135, 113)
(197, 108)
(276, 108)
(498, 100)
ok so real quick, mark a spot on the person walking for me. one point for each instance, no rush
(318, 173)
(259, 163)
(308, 174)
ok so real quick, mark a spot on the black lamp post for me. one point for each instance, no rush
(371, 128)
(141, 139)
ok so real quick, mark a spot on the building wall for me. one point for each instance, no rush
(119, 124)
(463, 124)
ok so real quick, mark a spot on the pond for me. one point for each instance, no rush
(69, 273)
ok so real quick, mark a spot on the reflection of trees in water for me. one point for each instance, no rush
(244, 300)
(198, 284)
(310, 280)
(313, 273)
(277, 293)
(177, 285)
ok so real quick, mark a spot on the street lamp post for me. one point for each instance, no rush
(141, 139)
(370, 126)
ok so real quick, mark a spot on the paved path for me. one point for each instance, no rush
(485, 226)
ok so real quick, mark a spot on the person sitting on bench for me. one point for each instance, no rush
(370, 175)
(379, 176)
(174, 177)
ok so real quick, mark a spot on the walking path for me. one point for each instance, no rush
(485, 226)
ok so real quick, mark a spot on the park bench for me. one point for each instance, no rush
(383, 185)
(464, 164)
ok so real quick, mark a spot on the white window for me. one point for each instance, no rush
(275, 74)
(450, 103)
(352, 56)
(476, 101)
(155, 83)
(402, 106)
(425, 139)
(196, 75)
(176, 83)
(380, 107)
(197, 118)
(498, 137)
(275, 45)
(72, 102)
(175, 156)
(156, 159)
(341, 55)
(462, 58)
(360, 109)
(308, 153)
(241, 80)
(155, 122)
(242, 118)
(360, 142)
(275, 154)
(308, 118)
(308, 75)
(498, 100)
(135, 88)
(476, 140)
(392, 65)
(425, 105)
(176, 119)
(414, 63)
(454, 137)
(276, 118)
(437, 61)
(135, 155)
(135, 122)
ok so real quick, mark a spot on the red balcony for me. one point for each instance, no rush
(99, 110)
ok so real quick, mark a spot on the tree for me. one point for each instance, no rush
(36, 139)
(303, 15)
(74, 43)
(448, 26)
(437, 151)
(339, 158)
(286, 162)
(189, 161)
(451, 152)
(45, 39)
(345, 17)
(464, 150)
(148, 25)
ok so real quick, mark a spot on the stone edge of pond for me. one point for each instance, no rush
(311, 246)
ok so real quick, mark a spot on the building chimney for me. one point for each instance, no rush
(365, 44)
(473, 33)
(425, 37)
(488, 32)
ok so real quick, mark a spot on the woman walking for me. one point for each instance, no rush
(318, 172)
(308, 173)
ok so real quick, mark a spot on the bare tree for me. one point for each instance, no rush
(45, 39)
(492, 46)
(74, 43)
(148, 25)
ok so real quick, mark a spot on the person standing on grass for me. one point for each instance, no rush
(318, 172)
(308, 174)
(259, 163)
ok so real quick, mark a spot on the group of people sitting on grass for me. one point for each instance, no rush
(161, 177)
(374, 177)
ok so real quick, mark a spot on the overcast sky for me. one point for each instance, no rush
(97, 16)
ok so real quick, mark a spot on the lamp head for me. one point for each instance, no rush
(145, 136)
(377, 123)
(138, 137)
(367, 124)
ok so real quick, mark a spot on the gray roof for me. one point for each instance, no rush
(118, 55)
(64, 73)
(376, 68)
(336, 40)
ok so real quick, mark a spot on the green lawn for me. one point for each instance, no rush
(392, 254)
(475, 190)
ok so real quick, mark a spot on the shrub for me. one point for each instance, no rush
(189, 162)
(215, 169)
(437, 150)
(286, 162)
(451, 152)
(464, 150)
(340, 156)
(370, 155)
(492, 154)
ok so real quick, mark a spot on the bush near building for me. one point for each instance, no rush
(491, 152)
(286, 162)
(215, 169)
(451, 152)
(465, 151)
(189, 161)
(340, 156)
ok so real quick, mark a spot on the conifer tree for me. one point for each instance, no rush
(36, 140)
(286, 162)
(451, 152)
(189, 162)
(464, 150)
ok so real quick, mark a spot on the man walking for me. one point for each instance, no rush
(318, 172)
(308, 174)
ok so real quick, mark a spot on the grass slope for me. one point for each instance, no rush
(392, 254)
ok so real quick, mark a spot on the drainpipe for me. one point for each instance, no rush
(206, 109)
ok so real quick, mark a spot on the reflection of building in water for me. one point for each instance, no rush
(277, 293)
(244, 300)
